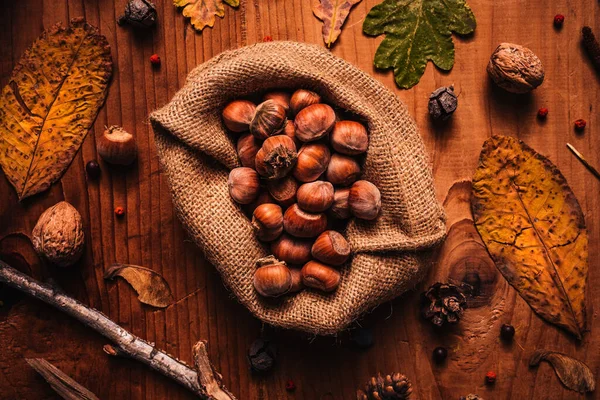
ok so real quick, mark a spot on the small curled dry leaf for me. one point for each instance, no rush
(574, 374)
(333, 13)
(152, 289)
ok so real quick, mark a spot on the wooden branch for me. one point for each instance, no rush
(126, 343)
(208, 377)
(62, 383)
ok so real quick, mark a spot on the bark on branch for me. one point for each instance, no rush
(204, 381)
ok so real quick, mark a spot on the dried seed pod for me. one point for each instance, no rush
(283, 190)
(313, 159)
(320, 276)
(238, 114)
(291, 250)
(243, 184)
(314, 122)
(515, 68)
(364, 200)
(247, 147)
(349, 137)
(117, 146)
(340, 208)
(280, 97)
(276, 158)
(303, 98)
(297, 284)
(442, 103)
(303, 224)
(342, 170)
(331, 248)
(139, 14)
(267, 221)
(262, 355)
(58, 235)
(269, 120)
(315, 196)
(272, 278)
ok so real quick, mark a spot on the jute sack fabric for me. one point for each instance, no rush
(197, 154)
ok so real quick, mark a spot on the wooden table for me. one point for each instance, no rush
(150, 235)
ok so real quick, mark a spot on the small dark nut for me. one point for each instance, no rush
(349, 137)
(269, 120)
(303, 98)
(331, 248)
(320, 276)
(315, 196)
(262, 355)
(238, 114)
(276, 158)
(302, 224)
(291, 250)
(313, 159)
(139, 14)
(442, 103)
(342, 170)
(314, 122)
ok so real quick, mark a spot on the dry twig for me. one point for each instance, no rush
(62, 383)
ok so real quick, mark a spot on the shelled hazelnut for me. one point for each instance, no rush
(299, 178)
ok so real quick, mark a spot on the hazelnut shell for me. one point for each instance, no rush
(243, 185)
(364, 200)
(320, 276)
(267, 221)
(313, 159)
(342, 170)
(303, 98)
(314, 122)
(291, 250)
(302, 224)
(117, 146)
(315, 196)
(349, 137)
(272, 278)
(238, 114)
(269, 120)
(276, 158)
(331, 248)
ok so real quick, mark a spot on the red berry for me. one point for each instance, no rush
(558, 20)
(580, 124)
(490, 378)
(119, 211)
(267, 39)
(155, 59)
(542, 112)
(290, 386)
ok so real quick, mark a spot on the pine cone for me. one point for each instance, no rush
(392, 387)
(471, 397)
(443, 302)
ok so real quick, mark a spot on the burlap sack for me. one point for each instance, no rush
(197, 155)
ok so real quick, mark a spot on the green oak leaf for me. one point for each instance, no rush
(417, 31)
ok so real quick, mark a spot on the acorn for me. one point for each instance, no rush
(291, 250)
(267, 221)
(315, 196)
(340, 208)
(283, 190)
(320, 276)
(313, 159)
(303, 224)
(272, 278)
(238, 114)
(269, 120)
(349, 137)
(303, 98)
(364, 200)
(276, 158)
(247, 147)
(342, 170)
(117, 146)
(243, 184)
(331, 248)
(314, 122)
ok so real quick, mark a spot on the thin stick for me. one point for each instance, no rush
(583, 160)
(210, 380)
(126, 343)
(62, 383)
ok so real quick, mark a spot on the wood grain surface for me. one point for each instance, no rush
(150, 235)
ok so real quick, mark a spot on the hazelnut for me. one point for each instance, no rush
(276, 157)
(117, 146)
(247, 147)
(364, 200)
(315, 196)
(238, 114)
(303, 98)
(342, 170)
(313, 159)
(269, 120)
(291, 250)
(267, 221)
(303, 224)
(272, 278)
(290, 131)
(243, 184)
(297, 284)
(314, 122)
(340, 208)
(515, 68)
(263, 198)
(349, 137)
(320, 276)
(280, 97)
(283, 190)
(331, 248)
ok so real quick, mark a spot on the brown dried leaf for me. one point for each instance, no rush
(534, 230)
(62, 384)
(202, 13)
(333, 13)
(574, 374)
(50, 103)
(151, 288)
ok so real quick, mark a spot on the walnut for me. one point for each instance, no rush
(515, 68)
(58, 235)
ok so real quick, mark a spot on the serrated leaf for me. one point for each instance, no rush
(534, 229)
(152, 289)
(333, 13)
(202, 13)
(50, 103)
(574, 374)
(417, 31)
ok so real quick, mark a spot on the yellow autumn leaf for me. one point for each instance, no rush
(534, 229)
(50, 103)
(202, 13)
(333, 13)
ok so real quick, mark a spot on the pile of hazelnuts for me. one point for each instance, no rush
(299, 180)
